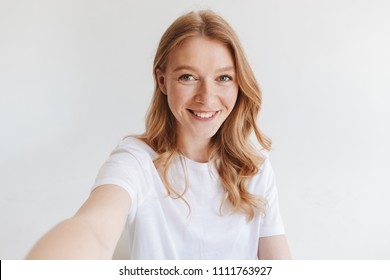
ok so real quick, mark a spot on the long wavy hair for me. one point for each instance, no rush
(231, 151)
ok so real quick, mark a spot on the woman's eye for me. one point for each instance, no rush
(187, 77)
(225, 78)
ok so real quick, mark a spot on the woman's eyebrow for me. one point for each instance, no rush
(184, 67)
(226, 69)
(188, 67)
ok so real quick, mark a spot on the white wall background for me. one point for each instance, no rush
(75, 77)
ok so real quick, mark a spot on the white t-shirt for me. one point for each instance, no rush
(162, 227)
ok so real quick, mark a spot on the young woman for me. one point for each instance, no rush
(193, 186)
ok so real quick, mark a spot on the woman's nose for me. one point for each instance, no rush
(205, 92)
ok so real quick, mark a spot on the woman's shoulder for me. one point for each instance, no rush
(264, 177)
(262, 152)
(136, 147)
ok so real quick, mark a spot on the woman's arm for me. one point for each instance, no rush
(273, 248)
(92, 233)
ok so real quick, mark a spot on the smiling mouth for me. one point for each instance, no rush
(204, 115)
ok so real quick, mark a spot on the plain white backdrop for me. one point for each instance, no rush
(75, 77)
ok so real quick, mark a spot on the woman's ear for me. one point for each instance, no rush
(161, 81)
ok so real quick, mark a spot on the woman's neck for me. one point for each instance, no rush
(194, 149)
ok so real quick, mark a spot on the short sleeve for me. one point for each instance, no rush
(271, 223)
(122, 169)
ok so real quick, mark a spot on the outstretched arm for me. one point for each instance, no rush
(274, 248)
(92, 233)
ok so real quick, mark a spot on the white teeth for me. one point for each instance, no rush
(204, 115)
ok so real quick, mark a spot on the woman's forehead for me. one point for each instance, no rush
(201, 52)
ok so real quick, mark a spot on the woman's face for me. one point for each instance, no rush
(201, 86)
